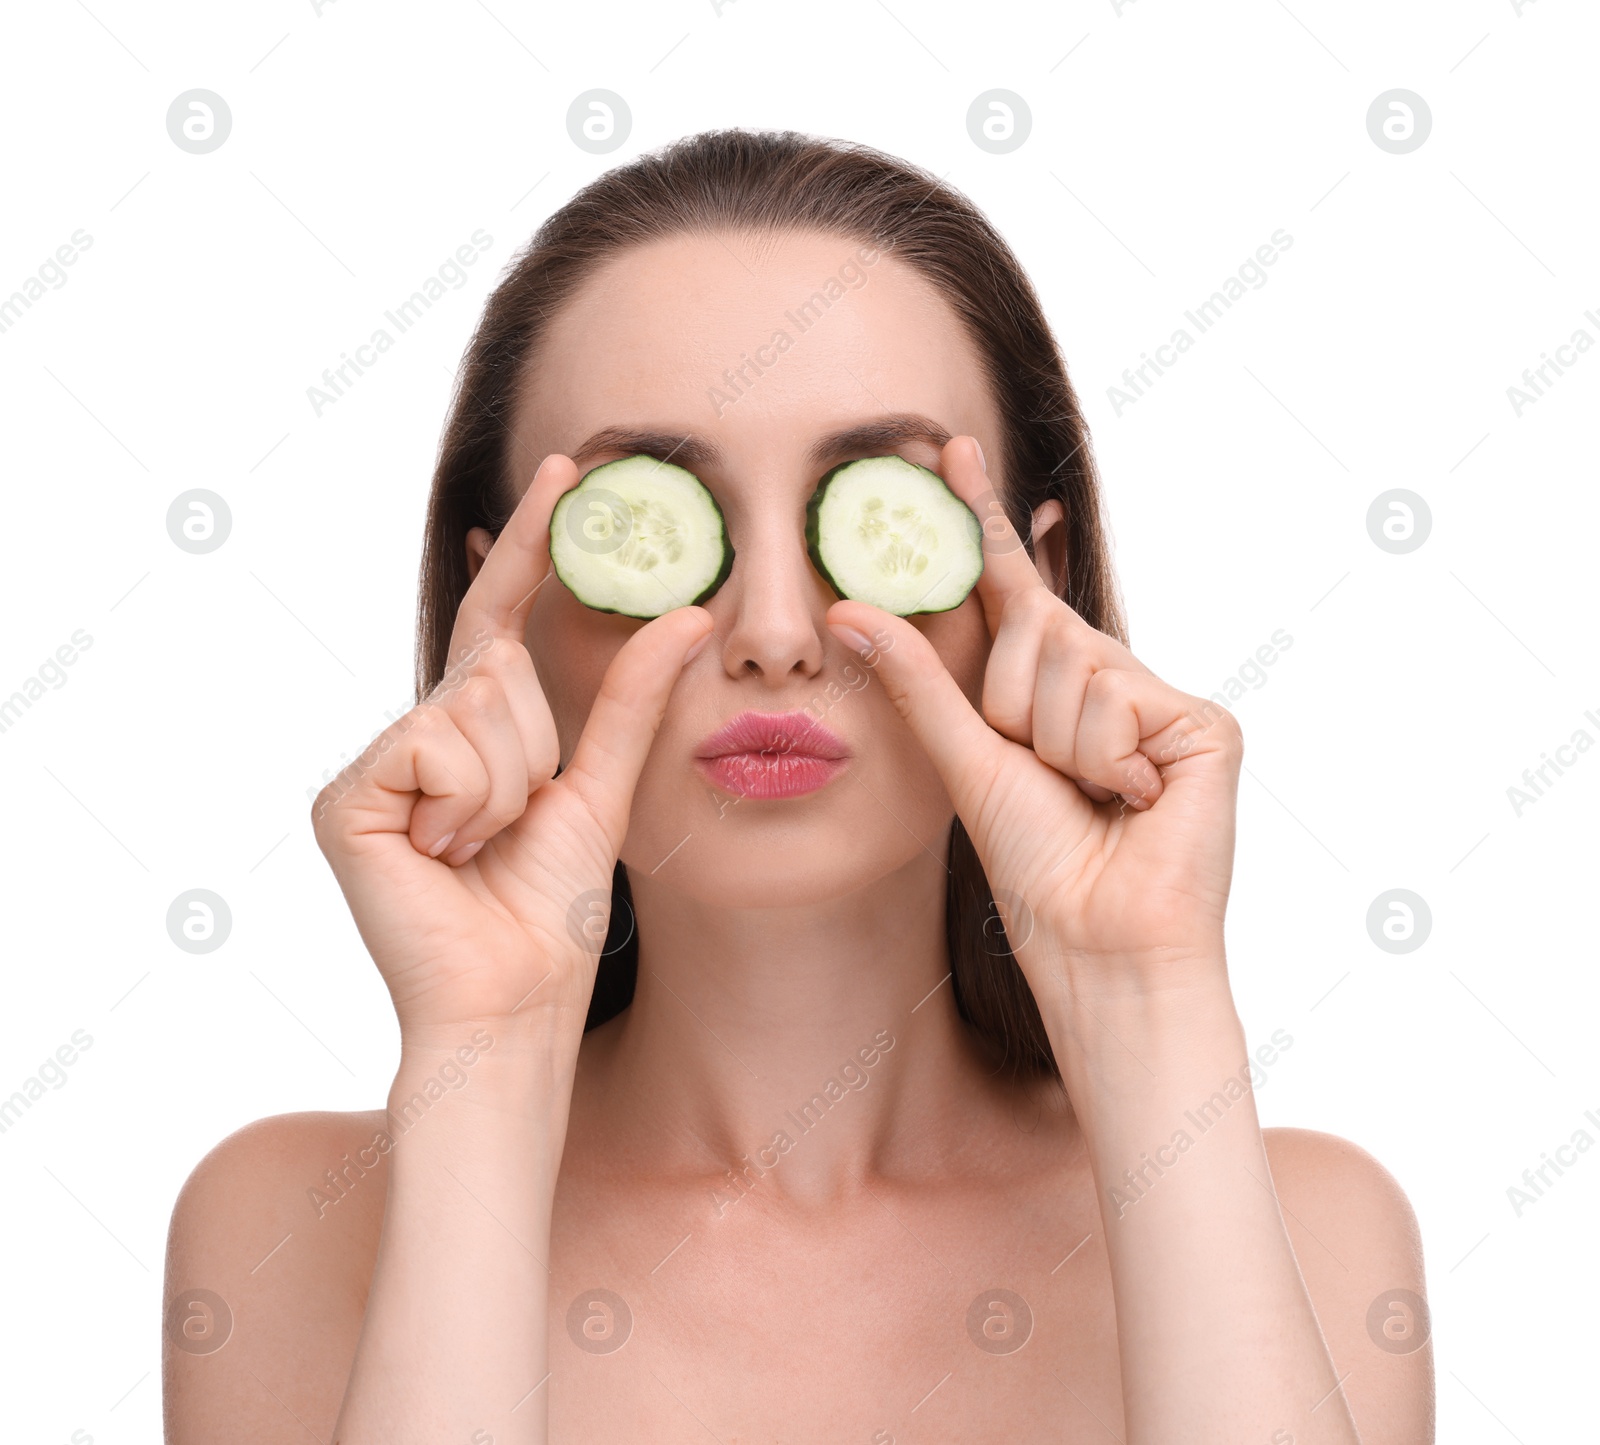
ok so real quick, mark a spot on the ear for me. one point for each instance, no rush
(1050, 543)
(478, 543)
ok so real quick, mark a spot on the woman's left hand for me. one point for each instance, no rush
(1099, 799)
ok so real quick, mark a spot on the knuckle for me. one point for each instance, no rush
(1033, 604)
(320, 807)
(1111, 685)
(1213, 715)
(517, 673)
(1009, 716)
(433, 735)
(1233, 734)
(478, 697)
(508, 780)
(490, 656)
(427, 722)
(1214, 721)
(343, 784)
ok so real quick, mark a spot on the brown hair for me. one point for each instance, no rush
(782, 181)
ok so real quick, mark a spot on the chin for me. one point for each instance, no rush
(770, 853)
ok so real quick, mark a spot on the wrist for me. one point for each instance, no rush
(1122, 1039)
(520, 1066)
(1156, 989)
(533, 1031)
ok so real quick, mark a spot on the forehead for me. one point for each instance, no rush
(757, 343)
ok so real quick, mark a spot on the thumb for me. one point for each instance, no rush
(966, 751)
(628, 710)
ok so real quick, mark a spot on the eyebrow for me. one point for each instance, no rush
(693, 452)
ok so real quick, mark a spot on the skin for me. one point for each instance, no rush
(828, 1301)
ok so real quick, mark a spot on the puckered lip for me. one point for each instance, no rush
(775, 734)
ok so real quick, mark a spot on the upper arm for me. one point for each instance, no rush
(1356, 1239)
(265, 1290)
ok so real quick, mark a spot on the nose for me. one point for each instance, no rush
(770, 609)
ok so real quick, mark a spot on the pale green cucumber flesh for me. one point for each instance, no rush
(639, 537)
(887, 531)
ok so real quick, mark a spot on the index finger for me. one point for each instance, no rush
(1007, 568)
(501, 595)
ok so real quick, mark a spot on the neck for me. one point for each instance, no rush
(805, 1048)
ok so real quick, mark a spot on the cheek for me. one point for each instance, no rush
(571, 647)
(961, 638)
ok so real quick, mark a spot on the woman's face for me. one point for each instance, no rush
(653, 344)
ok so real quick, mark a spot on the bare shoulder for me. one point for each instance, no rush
(1356, 1238)
(1324, 1180)
(269, 1255)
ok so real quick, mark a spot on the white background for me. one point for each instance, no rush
(1167, 143)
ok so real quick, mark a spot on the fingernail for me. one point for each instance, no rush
(442, 844)
(979, 445)
(462, 855)
(851, 638)
(697, 649)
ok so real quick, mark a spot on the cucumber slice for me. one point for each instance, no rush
(886, 531)
(639, 537)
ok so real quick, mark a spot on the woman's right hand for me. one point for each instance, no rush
(479, 882)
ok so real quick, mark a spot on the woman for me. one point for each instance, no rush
(729, 1104)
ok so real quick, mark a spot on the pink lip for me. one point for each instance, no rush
(772, 755)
